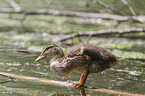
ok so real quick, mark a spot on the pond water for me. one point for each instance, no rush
(129, 76)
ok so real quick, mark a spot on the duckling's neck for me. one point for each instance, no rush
(58, 56)
(56, 60)
(59, 67)
(60, 53)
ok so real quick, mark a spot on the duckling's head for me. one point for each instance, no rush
(51, 50)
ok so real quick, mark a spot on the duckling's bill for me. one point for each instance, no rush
(40, 58)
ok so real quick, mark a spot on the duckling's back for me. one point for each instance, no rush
(101, 59)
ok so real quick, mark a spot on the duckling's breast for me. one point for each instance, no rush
(60, 69)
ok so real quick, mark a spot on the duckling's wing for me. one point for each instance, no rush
(96, 53)
(77, 61)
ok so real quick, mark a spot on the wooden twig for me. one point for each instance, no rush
(140, 19)
(20, 22)
(10, 79)
(14, 5)
(102, 32)
(59, 4)
(109, 7)
(66, 84)
(87, 3)
(129, 7)
(49, 2)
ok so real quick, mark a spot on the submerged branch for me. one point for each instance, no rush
(62, 83)
(78, 14)
(129, 7)
(20, 23)
(103, 32)
(14, 5)
(109, 7)
(11, 79)
(115, 92)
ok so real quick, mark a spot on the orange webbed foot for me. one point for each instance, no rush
(76, 84)
(81, 82)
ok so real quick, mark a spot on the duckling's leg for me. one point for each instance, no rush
(82, 80)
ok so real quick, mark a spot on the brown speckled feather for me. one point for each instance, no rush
(98, 58)
(96, 53)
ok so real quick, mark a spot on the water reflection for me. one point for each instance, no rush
(82, 91)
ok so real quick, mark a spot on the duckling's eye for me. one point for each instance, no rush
(55, 49)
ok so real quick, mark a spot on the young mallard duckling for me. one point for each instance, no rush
(82, 58)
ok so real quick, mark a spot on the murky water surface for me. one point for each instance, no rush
(129, 76)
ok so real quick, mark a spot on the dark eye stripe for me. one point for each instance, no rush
(45, 49)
